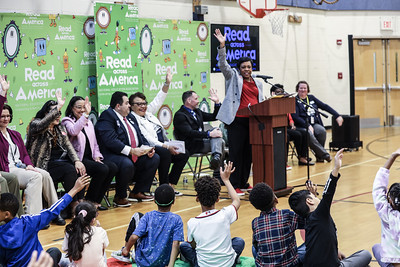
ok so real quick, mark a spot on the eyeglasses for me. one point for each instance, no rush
(79, 107)
(5, 116)
(141, 104)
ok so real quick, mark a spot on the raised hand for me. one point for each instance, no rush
(4, 85)
(213, 96)
(88, 105)
(338, 162)
(60, 100)
(228, 170)
(168, 76)
(221, 38)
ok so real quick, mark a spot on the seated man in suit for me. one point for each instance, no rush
(189, 127)
(121, 142)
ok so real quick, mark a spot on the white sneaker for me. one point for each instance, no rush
(178, 194)
(118, 256)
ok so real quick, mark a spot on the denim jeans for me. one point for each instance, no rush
(190, 253)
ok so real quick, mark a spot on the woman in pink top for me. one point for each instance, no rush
(82, 136)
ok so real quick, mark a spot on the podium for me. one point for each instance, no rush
(269, 144)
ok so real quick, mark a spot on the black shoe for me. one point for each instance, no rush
(215, 161)
(58, 220)
(102, 208)
(305, 164)
(46, 227)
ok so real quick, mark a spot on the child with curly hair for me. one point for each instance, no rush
(387, 204)
(209, 236)
(84, 240)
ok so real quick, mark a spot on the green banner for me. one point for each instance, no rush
(42, 54)
(118, 67)
(182, 46)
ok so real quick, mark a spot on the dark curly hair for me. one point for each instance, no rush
(77, 229)
(394, 195)
(297, 202)
(262, 197)
(207, 189)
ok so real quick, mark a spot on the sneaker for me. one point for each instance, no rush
(118, 256)
(288, 167)
(247, 187)
(178, 194)
(239, 192)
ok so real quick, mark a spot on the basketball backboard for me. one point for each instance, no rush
(256, 7)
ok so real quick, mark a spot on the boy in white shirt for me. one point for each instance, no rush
(209, 238)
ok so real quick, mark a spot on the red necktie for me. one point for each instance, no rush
(132, 137)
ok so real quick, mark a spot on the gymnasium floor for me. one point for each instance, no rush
(357, 222)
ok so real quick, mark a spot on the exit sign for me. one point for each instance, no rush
(387, 23)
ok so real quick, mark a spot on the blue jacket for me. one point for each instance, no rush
(19, 237)
(300, 116)
(112, 135)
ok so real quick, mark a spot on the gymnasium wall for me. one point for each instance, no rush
(307, 51)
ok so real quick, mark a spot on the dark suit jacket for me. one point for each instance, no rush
(112, 135)
(186, 128)
(301, 115)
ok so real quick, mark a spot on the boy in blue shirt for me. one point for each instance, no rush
(157, 234)
(19, 236)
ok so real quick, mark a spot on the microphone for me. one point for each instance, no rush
(264, 77)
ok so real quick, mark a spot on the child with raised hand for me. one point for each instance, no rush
(156, 235)
(85, 241)
(19, 236)
(387, 204)
(274, 240)
(209, 236)
(321, 239)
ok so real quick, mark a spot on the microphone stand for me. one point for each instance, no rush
(261, 127)
(308, 136)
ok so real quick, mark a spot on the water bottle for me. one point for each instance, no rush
(185, 182)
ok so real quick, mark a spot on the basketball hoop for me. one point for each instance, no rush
(277, 19)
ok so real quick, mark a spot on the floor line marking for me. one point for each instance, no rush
(327, 172)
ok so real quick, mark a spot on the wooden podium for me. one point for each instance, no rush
(269, 145)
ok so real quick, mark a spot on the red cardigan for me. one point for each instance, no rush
(4, 146)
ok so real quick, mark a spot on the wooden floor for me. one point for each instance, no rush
(357, 222)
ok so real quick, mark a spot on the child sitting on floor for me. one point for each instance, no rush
(156, 235)
(274, 241)
(387, 204)
(85, 241)
(209, 236)
(19, 236)
(321, 240)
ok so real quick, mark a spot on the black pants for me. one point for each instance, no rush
(299, 138)
(55, 254)
(65, 172)
(179, 162)
(142, 172)
(102, 175)
(239, 151)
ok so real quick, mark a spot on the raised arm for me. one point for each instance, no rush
(226, 69)
(225, 174)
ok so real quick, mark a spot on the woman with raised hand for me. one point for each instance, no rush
(50, 149)
(83, 138)
(14, 159)
(241, 90)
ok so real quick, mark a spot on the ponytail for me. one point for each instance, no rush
(79, 231)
